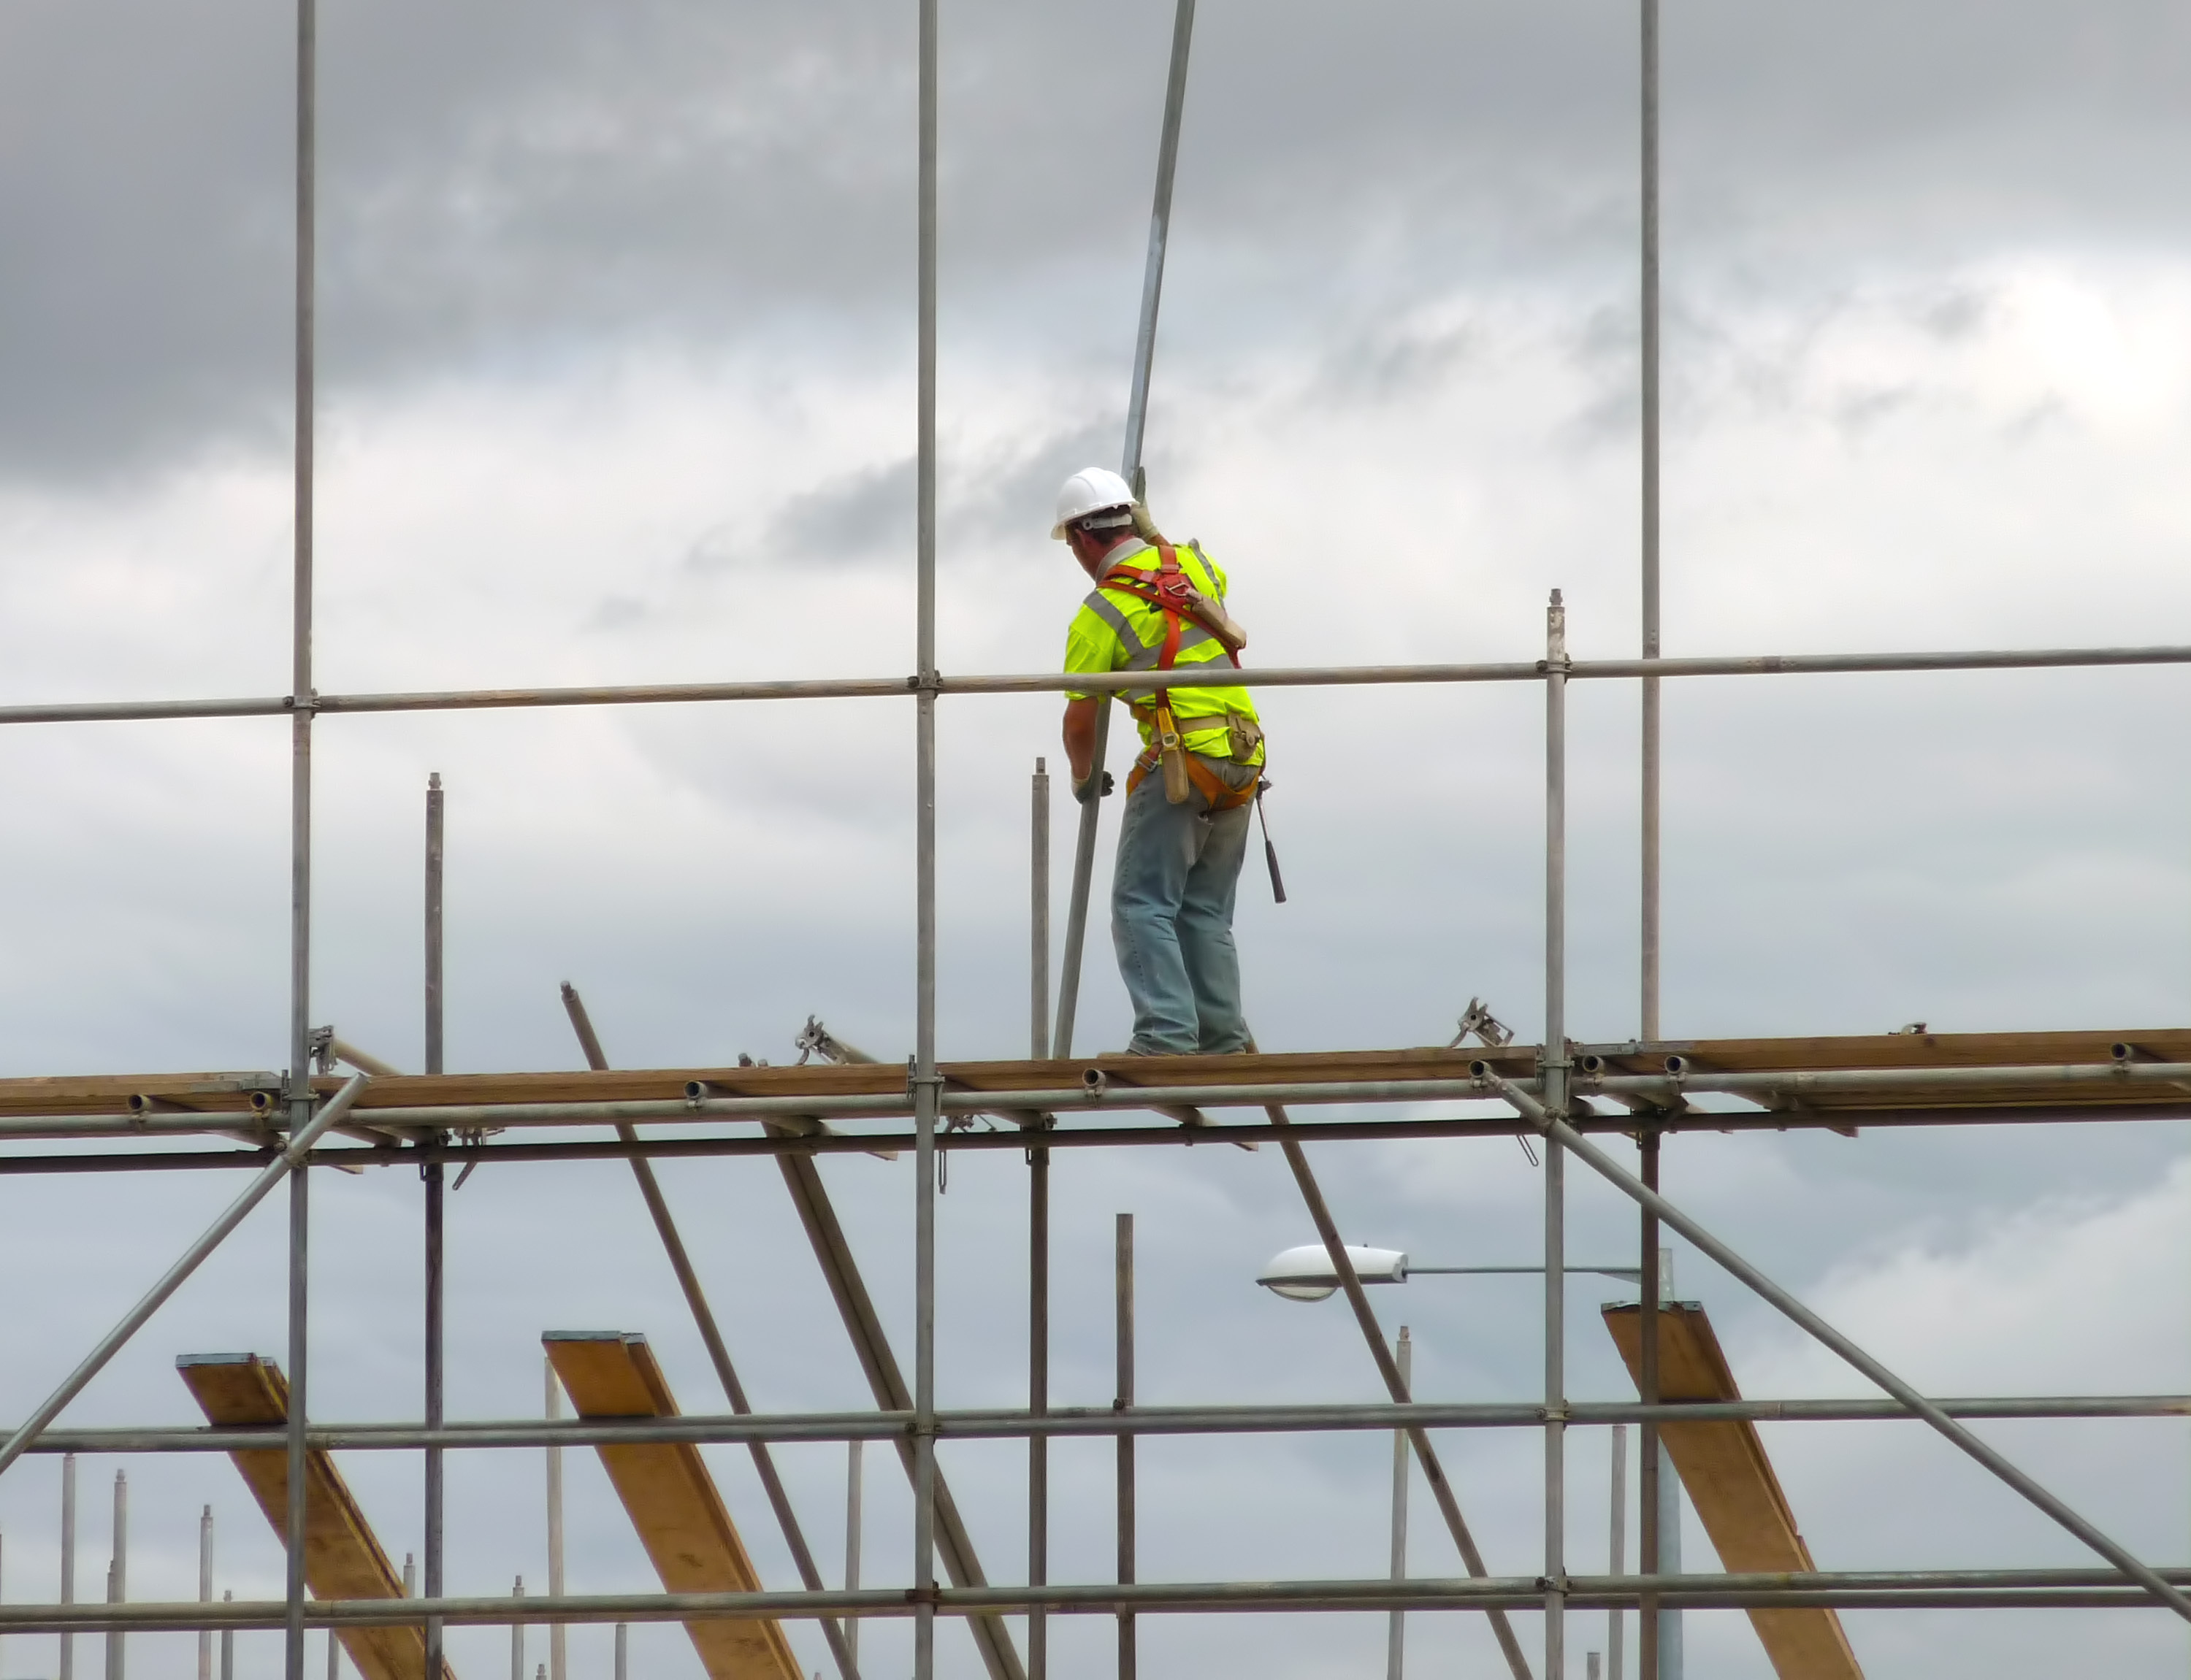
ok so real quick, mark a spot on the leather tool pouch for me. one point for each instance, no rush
(1243, 735)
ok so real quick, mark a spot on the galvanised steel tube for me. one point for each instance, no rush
(1126, 1099)
(1134, 1099)
(133, 1320)
(1037, 1569)
(432, 1174)
(856, 688)
(1915, 1590)
(1145, 332)
(704, 1429)
(1076, 908)
(1648, 312)
(1800, 1082)
(1652, 1466)
(299, 1092)
(927, 1083)
(868, 1143)
(1553, 1075)
(834, 1633)
(297, 1479)
(1804, 1318)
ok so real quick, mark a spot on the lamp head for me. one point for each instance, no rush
(1304, 1273)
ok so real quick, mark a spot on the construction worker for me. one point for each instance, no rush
(1158, 608)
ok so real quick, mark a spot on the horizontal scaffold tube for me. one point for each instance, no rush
(859, 688)
(1088, 1420)
(1847, 1081)
(1500, 1124)
(1929, 1589)
(1131, 1098)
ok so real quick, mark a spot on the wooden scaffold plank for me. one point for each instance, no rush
(671, 1499)
(343, 1557)
(1731, 1483)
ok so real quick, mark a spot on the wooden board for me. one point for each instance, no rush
(231, 1093)
(671, 1499)
(1730, 1482)
(343, 1559)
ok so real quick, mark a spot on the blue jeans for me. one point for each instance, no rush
(1171, 918)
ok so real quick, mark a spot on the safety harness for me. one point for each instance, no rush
(1172, 593)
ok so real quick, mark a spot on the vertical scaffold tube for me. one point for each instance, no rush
(1137, 409)
(205, 1590)
(1554, 1073)
(436, 1208)
(67, 1667)
(924, 1074)
(300, 815)
(1650, 511)
(1038, 1661)
(300, 1180)
(557, 1646)
(1123, 1285)
(1648, 1458)
(1038, 914)
(1396, 1624)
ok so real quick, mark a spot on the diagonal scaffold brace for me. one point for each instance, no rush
(1555, 1127)
(292, 1156)
(719, 1353)
(1449, 1503)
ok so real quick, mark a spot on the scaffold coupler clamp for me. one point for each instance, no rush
(1490, 1031)
(914, 1078)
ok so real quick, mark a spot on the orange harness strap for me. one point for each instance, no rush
(1172, 593)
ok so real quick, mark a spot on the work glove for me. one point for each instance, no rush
(1145, 526)
(1097, 786)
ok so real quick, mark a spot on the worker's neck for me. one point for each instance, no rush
(1117, 554)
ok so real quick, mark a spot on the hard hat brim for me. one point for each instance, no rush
(1058, 531)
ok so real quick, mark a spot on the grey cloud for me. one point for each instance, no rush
(507, 188)
(852, 516)
(1013, 497)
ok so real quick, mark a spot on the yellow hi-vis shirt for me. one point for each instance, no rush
(1116, 630)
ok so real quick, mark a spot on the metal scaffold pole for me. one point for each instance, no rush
(841, 1637)
(1650, 931)
(66, 1669)
(1396, 1625)
(300, 822)
(1553, 1073)
(1650, 1455)
(434, 1175)
(1137, 409)
(205, 1590)
(927, 1083)
(1038, 1656)
(1123, 1303)
(1555, 1128)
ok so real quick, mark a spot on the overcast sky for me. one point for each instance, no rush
(617, 315)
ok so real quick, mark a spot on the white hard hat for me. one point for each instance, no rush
(1090, 491)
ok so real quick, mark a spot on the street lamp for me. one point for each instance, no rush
(1306, 1273)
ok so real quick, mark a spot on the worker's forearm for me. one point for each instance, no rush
(1080, 736)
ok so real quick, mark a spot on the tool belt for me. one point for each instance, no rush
(1242, 736)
